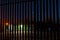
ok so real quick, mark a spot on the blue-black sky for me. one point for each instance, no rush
(59, 7)
(6, 8)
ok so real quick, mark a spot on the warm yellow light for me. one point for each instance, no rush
(6, 23)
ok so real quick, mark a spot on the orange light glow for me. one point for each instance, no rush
(6, 23)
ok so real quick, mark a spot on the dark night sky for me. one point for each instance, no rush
(6, 8)
(59, 7)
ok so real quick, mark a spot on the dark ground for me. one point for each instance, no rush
(23, 36)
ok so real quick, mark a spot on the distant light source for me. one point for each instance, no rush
(6, 24)
(21, 26)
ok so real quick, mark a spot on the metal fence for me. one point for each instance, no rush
(29, 20)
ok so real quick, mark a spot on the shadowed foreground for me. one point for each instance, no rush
(23, 35)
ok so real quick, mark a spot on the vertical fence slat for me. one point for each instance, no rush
(20, 19)
(35, 20)
(24, 20)
(41, 27)
(28, 20)
(30, 26)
